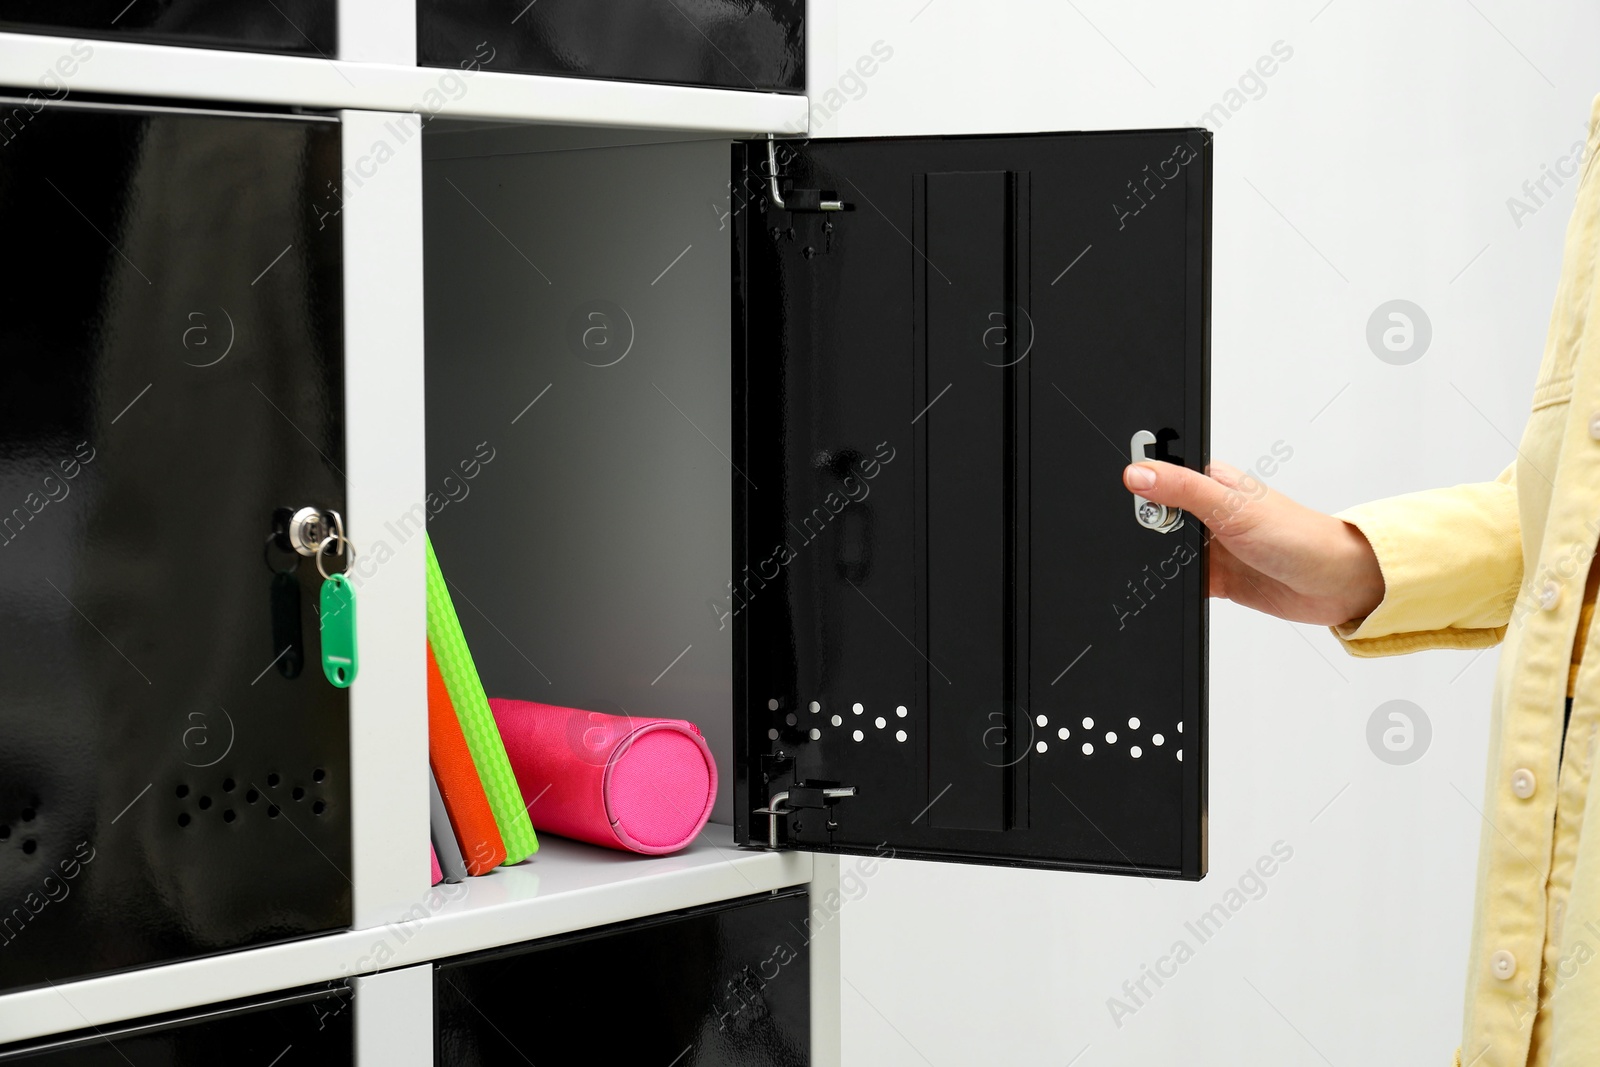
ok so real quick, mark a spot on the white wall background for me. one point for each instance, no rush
(1374, 164)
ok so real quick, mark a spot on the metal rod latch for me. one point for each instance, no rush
(803, 797)
(803, 199)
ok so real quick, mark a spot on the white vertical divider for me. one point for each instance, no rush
(827, 981)
(394, 1018)
(384, 447)
(378, 31)
(822, 52)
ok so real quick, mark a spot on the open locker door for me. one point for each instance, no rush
(955, 635)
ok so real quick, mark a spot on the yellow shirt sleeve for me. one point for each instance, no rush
(1452, 566)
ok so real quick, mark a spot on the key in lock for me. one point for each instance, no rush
(303, 530)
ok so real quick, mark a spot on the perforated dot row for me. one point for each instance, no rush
(901, 711)
(856, 708)
(231, 810)
(1087, 748)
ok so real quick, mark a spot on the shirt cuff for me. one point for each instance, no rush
(1451, 561)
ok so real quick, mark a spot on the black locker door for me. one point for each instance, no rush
(294, 27)
(944, 598)
(304, 1028)
(722, 985)
(755, 45)
(173, 780)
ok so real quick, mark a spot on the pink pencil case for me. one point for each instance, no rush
(643, 785)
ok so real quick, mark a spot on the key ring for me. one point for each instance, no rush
(346, 549)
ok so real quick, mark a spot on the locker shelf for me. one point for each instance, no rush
(566, 886)
(295, 81)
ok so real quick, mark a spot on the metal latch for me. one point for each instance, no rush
(799, 798)
(799, 199)
(1152, 516)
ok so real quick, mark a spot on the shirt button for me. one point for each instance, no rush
(1523, 782)
(1550, 596)
(1594, 426)
(1503, 965)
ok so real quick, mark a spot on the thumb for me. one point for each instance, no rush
(1175, 486)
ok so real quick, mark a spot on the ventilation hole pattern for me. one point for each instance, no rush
(203, 802)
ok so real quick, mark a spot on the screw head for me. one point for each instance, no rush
(1150, 512)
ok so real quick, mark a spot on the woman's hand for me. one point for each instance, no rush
(1267, 552)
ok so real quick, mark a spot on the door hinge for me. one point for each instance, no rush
(798, 199)
(800, 798)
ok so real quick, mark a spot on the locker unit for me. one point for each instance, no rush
(174, 774)
(813, 443)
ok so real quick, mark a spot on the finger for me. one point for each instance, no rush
(1175, 486)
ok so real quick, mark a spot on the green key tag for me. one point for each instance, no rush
(338, 610)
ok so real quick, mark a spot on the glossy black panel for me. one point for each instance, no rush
(944, 598)
(730, 44)
(296, 27)
(968, 229)
(313, 1028)
(726, 985)
(170, 319)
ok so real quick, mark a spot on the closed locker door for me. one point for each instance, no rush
(301, 1028)
(173, 763)
(757, 45)
(723, 985)
(293, 27)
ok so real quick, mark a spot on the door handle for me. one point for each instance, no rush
(1152, 516)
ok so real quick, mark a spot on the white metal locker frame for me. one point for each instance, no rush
(400, 923)
(384, 457)
(299, 81)
(394, 1016)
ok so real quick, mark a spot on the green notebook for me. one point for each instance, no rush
(477, 721)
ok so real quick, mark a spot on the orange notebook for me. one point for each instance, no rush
(464, 799)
